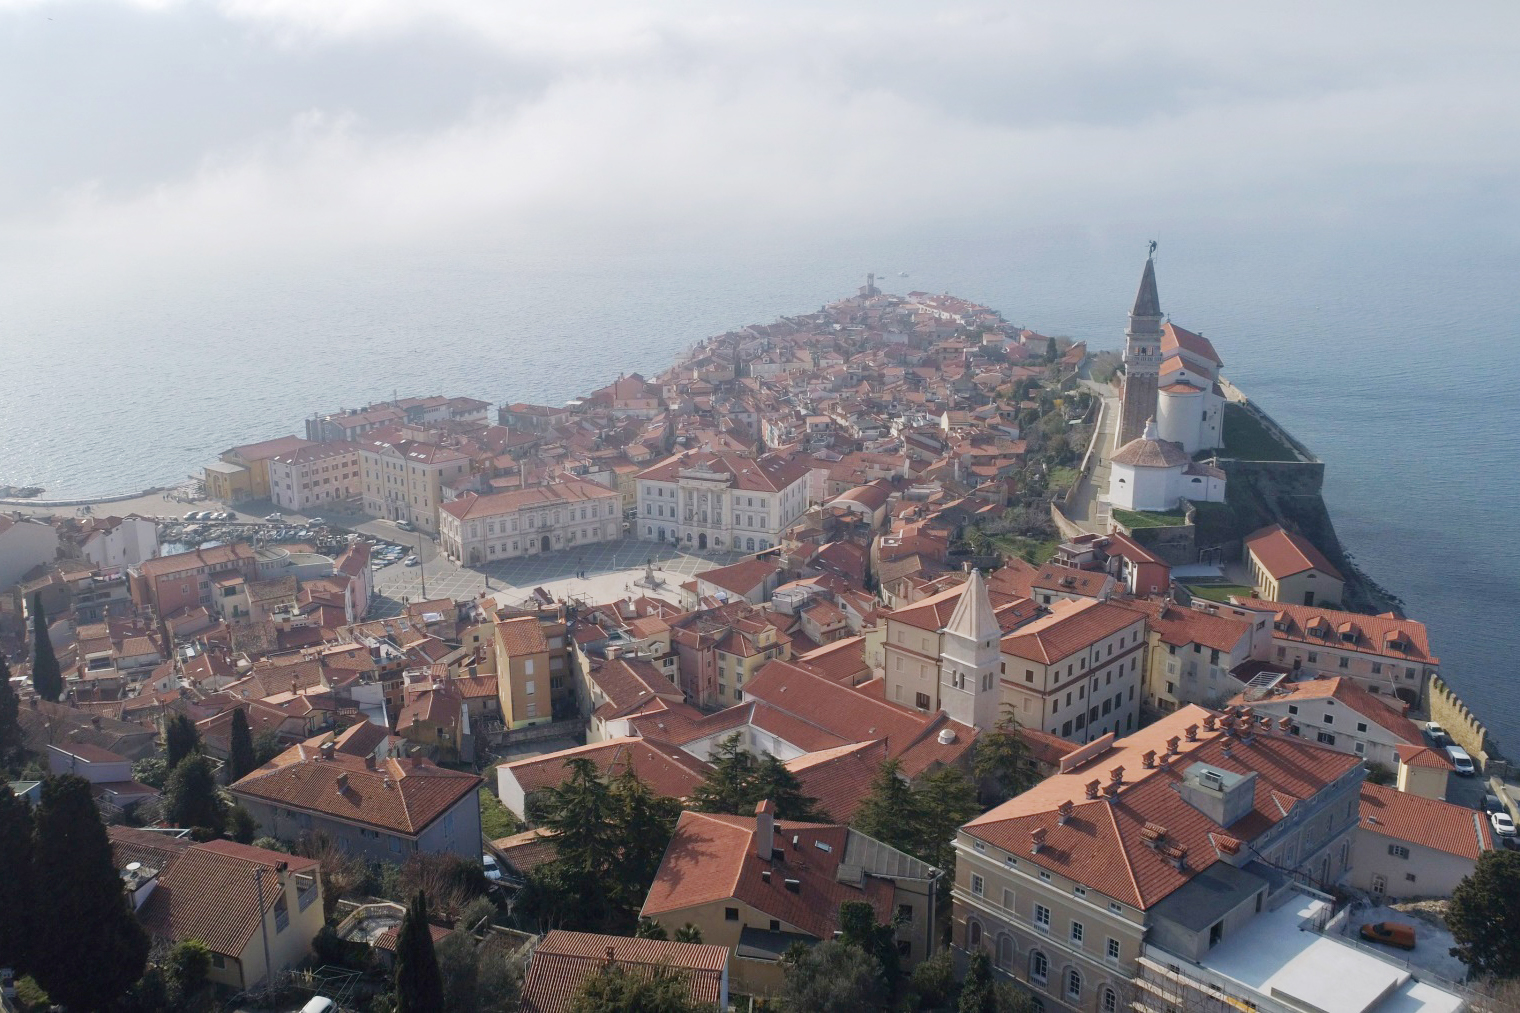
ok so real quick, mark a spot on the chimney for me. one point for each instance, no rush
(1063, 812)
(1164, 761)
(1111, 792)
(1209, 722)
(369, 761)
(1148, 759)
(1171, 746)
(342, 782)
(293, 686)
(1036, 840)
(1284, 723)
(1191, 731)
(765, 829)
(95, 720)
(327, 750)
(1246, 714)
(1092, 788)
(611, 957)
(1116, 776)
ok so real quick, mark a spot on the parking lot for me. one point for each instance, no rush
(597, 573)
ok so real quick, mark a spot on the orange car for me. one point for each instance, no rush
(1391, 933)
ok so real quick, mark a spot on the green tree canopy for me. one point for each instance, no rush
(181, 738)
(1484, 915)
(240, 755)
(90, 948)
(613, 989)
(47, 678)
(740, 780)
(17, 898)
(191, 798)
(11, 738)
(419, 983)
(858, 927)
(1002, 762)
(832, 977)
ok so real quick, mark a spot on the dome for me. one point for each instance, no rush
(1150, 452)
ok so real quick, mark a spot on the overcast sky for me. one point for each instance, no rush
(141, 135)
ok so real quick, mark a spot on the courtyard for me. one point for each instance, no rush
(599, 572)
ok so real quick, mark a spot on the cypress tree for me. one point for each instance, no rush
(90, 948)
(47, 677)
(17, 899)
(419, 985)
(240, 756)
(181, 738)
(10, 709)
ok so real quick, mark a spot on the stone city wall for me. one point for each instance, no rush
(1464, 728)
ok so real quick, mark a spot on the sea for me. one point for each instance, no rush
(1394, 358)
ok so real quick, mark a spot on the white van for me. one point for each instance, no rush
(1459, 759)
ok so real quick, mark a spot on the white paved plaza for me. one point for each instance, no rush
(610, 569)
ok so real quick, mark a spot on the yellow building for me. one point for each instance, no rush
(242, 473)
(1288, 568)
(530, 669)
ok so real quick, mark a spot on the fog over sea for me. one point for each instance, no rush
(1395, 361)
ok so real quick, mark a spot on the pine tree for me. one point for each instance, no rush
(858, 927)
(1003, 762)
(890, 812)
(580, 816)
(47, 677)
(10, 710)
(16, 891)
(775, 782)
(944, 801)
(191, 798)
(181, 738)
(240, 748)
(419, 983)
(1484, 915)
(726, 788)
(90, 948)
(646, 821)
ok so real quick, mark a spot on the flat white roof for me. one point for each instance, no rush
(1276, 957)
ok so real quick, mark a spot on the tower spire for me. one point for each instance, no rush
(1147, 302)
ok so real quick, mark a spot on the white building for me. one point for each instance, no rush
(721, 500)
(120, 541)
(24, 543)
(1189, 403)
(404, 478)
(316, 477)
(1154, 474)
(478, 529)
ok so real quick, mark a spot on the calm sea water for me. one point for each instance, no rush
(1396, 366)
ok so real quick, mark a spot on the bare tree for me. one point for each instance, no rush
(342, 873)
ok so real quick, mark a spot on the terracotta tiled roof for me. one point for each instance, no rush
(565, 490)
(182, 561)
(1427, 822)
(402, 796)
(1283, 553)
(843, 661)
(209, 894)
(770, 473)
(628, 685)
(154, 850)
(741, 578)
(1347, 692)
(1422, 756)
(526, 851)
(387, 939)
(713, 858)
(1174, 337)
(563, 960)
(522, 635)
(1070, 580)
(1072, 626)
(1311, 624)
(1100, 845)
(1147, 453)
(668, 770)
(839, 778)
(1180, 626)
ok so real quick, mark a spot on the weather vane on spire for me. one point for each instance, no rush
(1153, 248)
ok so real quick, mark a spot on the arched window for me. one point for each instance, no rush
(973, 934)
(1005, 951)
(1039, 968)
(1073, 984)
(1110, 1001)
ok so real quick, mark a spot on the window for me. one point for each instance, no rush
(1076, 933)
(905, 914)
(1325, 738)
(529, 687)
(730, 914)
(922, 701)
(1329, 719)
(973, 934)
(217, 960)
(1073, 984)
(1080, 891)
(1113, 949)
(977, 884)
(1045, 875)
(281, 914)
(1005, 951)
(1398, 851)
(1008, 898)
(1216, 933)
(1116, 907)
(1110, 1001)
(1409, 876)
(1039, 968)
(775, 925)
(1042, 917)
(1361, 726)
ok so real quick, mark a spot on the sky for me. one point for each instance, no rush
(154, 137)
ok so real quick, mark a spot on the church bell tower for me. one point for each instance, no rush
(1142, 357)
(971, 688)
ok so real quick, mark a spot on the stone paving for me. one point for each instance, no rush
(609, 569)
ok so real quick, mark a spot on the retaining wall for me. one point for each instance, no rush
(1448, 710)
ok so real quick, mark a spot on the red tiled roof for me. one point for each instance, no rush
(1072, 626)
(1174, 337)
(769, 473)
(522, 635)
(1181, 626)
(713, 858)
(1426, 822)
(1347, 692)
(742, 577)
(1282, 553)
(1369, 634)
(565, 490)
(209, 894)
(1422, 756)
(1100, 844)
(402, 796)
(563, 960)
(526, 851)
(839, 778)
(668, 770)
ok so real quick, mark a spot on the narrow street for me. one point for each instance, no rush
(1086, 510)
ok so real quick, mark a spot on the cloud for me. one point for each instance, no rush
(606, 122)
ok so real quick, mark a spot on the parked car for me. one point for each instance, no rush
(1391, 933)
(274, 518)
(319, 1004)
(1460, 760)
(317, 522)
(493, 868)
(413, 561)
(191, 515)
(1491, 804)
(406, 526)
(1503, 825)
(1436, 732)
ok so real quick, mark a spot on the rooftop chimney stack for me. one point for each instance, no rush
(1092, 788)
(1284, 723)
(1148, 759)
(1171, 746)
(1036, 840)
(327, 750)
(1116, 776)
(1191, 731)
(1210, 722)
(1063, 812)
(765, 829)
